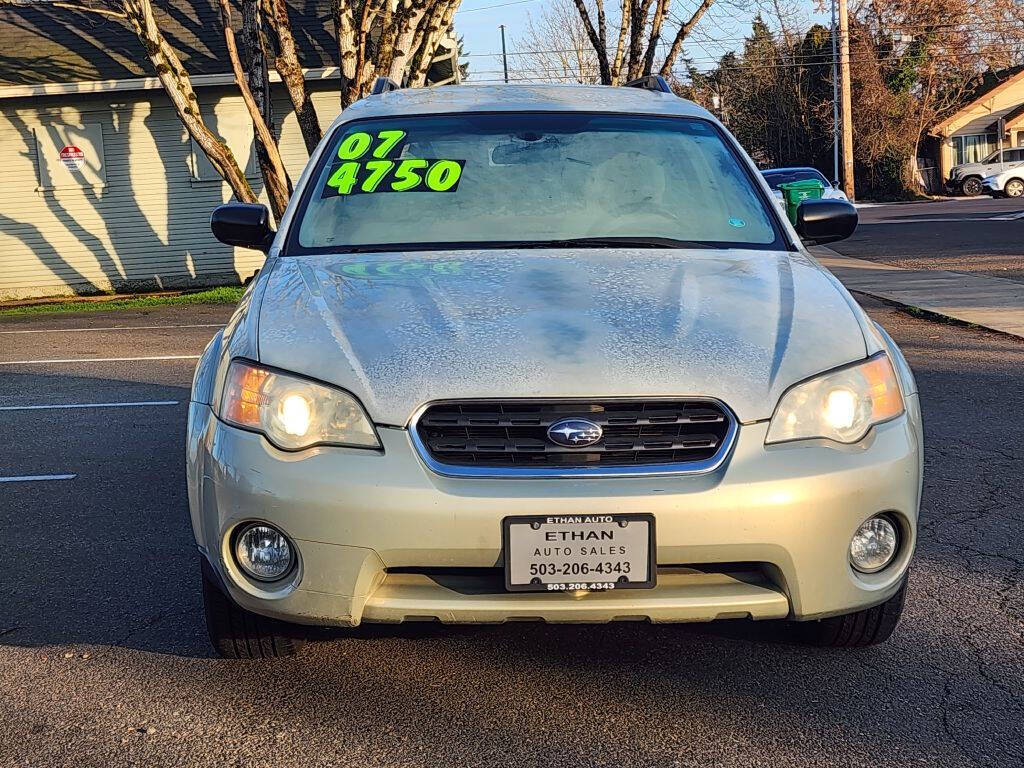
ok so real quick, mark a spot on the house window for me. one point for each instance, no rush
(975, 148)
(237, 133)
(70, 156)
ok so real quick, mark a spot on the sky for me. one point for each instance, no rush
(720, 31)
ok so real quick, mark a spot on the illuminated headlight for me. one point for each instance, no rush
(874, 545)
(841, 405)
(263, 552)
(293, 413)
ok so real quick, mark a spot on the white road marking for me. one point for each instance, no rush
(99, 360)
(59, 406)
(114, 328)
(33, 478)
(1009, 217)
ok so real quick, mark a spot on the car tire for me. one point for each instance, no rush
(971, 187)
(857, 630)
(236, 633)
(1014, 188)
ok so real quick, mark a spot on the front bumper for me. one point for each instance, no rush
(991, 186)
(382, 538)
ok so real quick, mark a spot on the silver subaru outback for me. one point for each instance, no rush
(547, 353)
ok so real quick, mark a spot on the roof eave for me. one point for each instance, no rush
(942, 130)
(140, 84)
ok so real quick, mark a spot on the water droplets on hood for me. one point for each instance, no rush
(402, 329)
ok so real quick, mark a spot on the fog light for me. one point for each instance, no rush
(874, 545)
(263, 552)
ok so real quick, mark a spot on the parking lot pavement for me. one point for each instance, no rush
(977, 235)
(104, 660)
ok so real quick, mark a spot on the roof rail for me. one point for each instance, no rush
(650, 83)
(383, 85)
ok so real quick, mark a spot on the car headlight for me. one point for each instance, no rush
(841, 405)
(292, 412)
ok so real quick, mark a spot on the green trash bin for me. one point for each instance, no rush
(795, 192)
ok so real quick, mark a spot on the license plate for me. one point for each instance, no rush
(556, 553)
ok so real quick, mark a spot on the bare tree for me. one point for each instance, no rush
(395, 38)
(643, 25)
(177, 84)
(275, 177)
(556, 47)
(281, 43)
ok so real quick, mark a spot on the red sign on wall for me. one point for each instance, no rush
(72, 157)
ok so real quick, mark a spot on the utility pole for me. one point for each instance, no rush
(835, 98)
(844, 76)
(504, 56)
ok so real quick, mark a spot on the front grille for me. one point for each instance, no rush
(636, 433)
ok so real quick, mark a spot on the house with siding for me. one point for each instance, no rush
(103, 188)
(972, 133)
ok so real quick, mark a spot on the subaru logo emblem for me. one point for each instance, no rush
(574, 433)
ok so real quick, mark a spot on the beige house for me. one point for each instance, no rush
(971, 134)
(103, 188)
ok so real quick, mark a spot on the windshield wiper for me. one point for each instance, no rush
(625, 242)
(573, 242)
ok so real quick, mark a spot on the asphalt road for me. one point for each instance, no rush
(976, 235)
(104, 659)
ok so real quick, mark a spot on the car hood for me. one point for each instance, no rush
(402, 329)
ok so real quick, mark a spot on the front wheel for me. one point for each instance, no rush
(1014, 188)
(236, 633)
(857, 630)
(971, 187)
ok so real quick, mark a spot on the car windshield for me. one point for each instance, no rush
(530, 180)
(775, 178)
(993, 158)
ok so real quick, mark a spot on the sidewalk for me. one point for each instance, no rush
(986, 301)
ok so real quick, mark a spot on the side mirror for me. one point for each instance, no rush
(825, 221)
(243, 224)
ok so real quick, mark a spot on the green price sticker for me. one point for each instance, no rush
(368, 163)
(355, 145)
(413, 174)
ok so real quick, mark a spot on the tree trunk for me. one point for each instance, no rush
(275, 177)
(405, 45)
(437, 22)
(348, 41)
(637, 25)
(596, 40)
(652, 43)
(178, 87)
(286, 62)
(620, 46)
(254, 64)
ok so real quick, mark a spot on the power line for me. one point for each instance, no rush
(489, 7)
(528, 52)
(805, 62)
